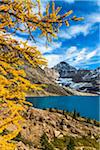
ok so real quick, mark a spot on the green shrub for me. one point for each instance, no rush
(96, 123)
(59, 143)
(88, 120)
(25, 141)
(78, 114)
(45, 144)
(71, 144)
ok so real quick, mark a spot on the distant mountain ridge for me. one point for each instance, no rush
(49, 78)
(65, 70)
(79, 79)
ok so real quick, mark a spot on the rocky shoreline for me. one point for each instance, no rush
(56, 128)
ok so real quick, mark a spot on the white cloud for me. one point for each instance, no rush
(71, 52)
(93, 18)
(53, 59)
(84, 29)
(91, 54)
(75, 30)
(74, 56)
(98, 2)
(41, 44)
(79, 29)
(77, 57)
(56, 44)
(43, 49)
(81, 55)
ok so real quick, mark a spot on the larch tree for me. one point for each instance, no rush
(19, 15)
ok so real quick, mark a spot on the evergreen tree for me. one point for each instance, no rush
(74, 114)
(71, 144)
(44, 143)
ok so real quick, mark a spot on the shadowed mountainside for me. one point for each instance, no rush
(83, 80)
(48, 77)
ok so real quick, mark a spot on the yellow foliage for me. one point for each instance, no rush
(19, 16)
(14, 85)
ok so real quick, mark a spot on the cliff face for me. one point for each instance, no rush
(79, 79)
(42, 76)
(52, 74)
(65, 70)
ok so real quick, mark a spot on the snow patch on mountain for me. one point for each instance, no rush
(78, 79)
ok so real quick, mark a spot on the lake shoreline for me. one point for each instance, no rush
(58, 128)
(65, 112)
(85, 105)
(61, 95)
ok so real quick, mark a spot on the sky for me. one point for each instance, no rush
(77, 44)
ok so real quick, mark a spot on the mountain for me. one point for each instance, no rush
(49, 78)
(65, 70)
(79, 79)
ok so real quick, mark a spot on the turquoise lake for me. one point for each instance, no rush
(87, 106)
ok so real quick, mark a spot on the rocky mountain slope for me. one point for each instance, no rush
(54, 129)
(79, 79)
(48, 77)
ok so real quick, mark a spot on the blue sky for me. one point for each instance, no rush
(77, 44)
